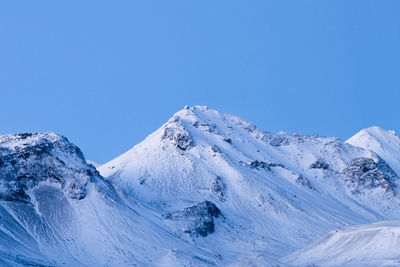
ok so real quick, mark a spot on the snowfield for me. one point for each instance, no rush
(204, 189)
(376, 244)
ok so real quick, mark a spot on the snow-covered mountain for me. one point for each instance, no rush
(204, 189)
(276, 192)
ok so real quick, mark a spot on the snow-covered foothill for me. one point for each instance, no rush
(376, 244)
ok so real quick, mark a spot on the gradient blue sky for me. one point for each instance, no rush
(108, 73)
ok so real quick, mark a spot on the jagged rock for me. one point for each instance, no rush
(30, 159)
(300, 138)
(176, 132)
(319, 164)
(76, 190)
(228, 140)
(218, 187)
(142, 180)
(208, 127)
(183, 140)
(305, 182)
(259, 165)
(366, 173)
(215, 149)
(168, 134)
(17, 195)
(279, 141)
(199, 218)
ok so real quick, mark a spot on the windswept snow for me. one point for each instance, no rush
(376, 244)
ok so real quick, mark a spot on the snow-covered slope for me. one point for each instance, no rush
(383, 142)
(275, 192)
(376, 244)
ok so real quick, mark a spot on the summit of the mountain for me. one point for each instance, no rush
(376, 132)
(27, 160)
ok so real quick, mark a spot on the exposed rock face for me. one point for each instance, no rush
(365, 172)
(218, 187)
(305, 182)
(26, 160)
(176, 133)
(259, 165)
(208, 127)
(279, 141)
(199, 218)
(182, 140)
(319, 164)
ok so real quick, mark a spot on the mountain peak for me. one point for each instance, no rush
(203, 115)
(373, 137)
(377, 131)
(29, 159)
(196, 112)
(23, 139)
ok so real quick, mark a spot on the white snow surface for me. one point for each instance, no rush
(376, 244)
(276, 193)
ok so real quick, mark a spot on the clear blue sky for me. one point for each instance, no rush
(108, 73)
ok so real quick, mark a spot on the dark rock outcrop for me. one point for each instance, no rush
(273, 165)
(218, 188)
(208, 127)
(279, 141)
(215, 149)
(259, 165)
(199, 218)
(366, 173)
(176, 133)
(304, 182)
(319, 164)
(182, 140)
(228, 140)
